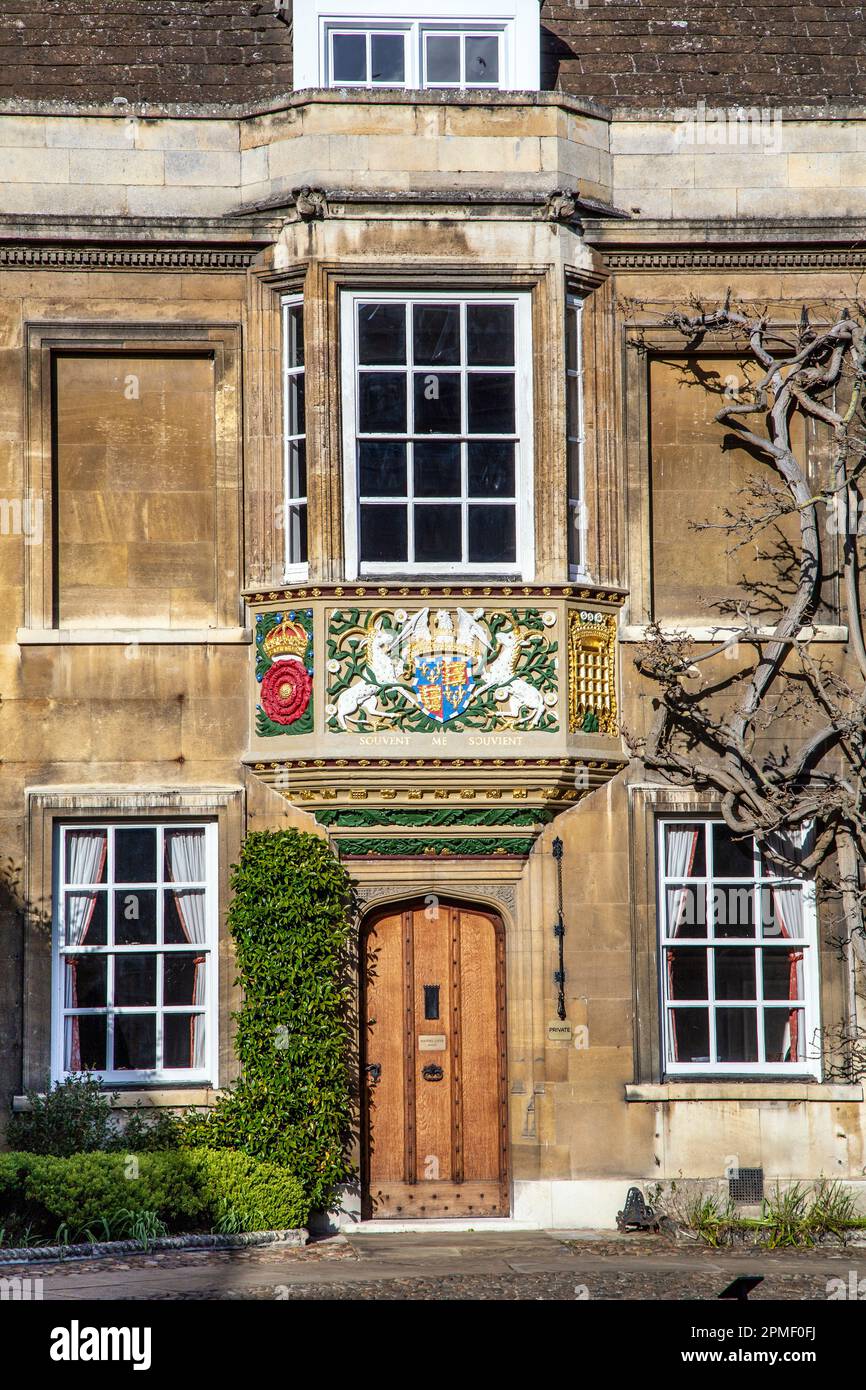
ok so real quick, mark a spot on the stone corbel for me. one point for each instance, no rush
(310, 203)
(561, 205)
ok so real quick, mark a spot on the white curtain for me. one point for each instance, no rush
(787, 849)
(85, 861)
(681, 843)
(789, 913)
(186, 864)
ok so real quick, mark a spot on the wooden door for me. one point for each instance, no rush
(434, 1083)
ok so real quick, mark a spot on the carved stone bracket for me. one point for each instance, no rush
(310, 203)
(561, 205)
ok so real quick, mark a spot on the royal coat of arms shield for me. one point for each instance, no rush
(443, 684)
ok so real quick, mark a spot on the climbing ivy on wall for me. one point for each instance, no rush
(291, 925)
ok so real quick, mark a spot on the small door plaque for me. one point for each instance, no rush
(558, 1031)
(431, 1042)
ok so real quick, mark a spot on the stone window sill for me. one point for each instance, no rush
(140, 637)
(701, 632)
(800, 1090)
(158, 1098)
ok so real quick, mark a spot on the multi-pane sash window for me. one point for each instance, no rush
(738, 953)
(462, 59)
(134, 955)
(294, 510)
(367, 58)
(575, 435)
(416, 53)
(437, 395)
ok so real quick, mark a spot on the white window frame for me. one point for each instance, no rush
(524, 565)
(576, 439)
(293, 571)
(332, 31)
(464, 31)
(516, 22)
(207, 1074)
(810, 1065)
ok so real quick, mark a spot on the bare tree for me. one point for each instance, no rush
(722, 732)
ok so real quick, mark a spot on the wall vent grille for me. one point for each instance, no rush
(746, 1185)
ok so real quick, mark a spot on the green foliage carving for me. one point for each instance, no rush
(518, 845)
(348, 663)
(450, 815)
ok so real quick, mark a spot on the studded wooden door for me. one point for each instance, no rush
(434, 1085)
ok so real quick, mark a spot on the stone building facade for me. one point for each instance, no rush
(333, 497)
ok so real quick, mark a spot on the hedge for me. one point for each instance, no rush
(88, 1194)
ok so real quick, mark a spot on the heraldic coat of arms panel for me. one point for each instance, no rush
(464, 668)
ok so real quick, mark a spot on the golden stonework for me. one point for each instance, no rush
(592, 704)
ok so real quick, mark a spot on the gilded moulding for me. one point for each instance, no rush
(592, 698)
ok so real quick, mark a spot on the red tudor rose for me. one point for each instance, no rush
(286, 691)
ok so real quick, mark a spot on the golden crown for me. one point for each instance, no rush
(448, 644)
(286, 639)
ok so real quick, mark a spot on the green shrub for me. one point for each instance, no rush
(76, 1116)
(99, 1196)
(260, 1196)
(289, 918)
(712, 1218)
(142, 1131)
(87, 1188)
(143, 1226)
(796, 1215)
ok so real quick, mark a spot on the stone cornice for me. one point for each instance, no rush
(310, 203)
(593, 593)
(121, 109)
(743, 244)
(161, 258)
(665, 112)
(545, 767)
(764, 258)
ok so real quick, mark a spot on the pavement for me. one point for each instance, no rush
(464, 1265)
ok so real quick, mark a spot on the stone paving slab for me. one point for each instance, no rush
(574, 1288)
(440, 1265)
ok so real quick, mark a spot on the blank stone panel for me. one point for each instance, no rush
(135, 459)
(697, 469)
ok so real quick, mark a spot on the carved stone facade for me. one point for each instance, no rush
(165, 658)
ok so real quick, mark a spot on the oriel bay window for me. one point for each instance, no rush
(575, 436)
(437, 412)
(294, 512)
(414, 56)
(134, 952)
(739, 966)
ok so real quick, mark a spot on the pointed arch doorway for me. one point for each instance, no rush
(434, 1085)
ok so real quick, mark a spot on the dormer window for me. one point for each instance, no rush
(462, 59)
(462, 45)
(366, 58)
